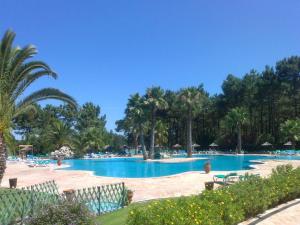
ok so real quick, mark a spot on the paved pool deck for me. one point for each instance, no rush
(184, 184)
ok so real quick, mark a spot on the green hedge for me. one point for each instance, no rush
(225, 206)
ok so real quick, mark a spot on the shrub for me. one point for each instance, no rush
(64, 213)
(251, 195)
(225, 206)
(221, 202)
(212, 207)
(285, 182)
(181, 211)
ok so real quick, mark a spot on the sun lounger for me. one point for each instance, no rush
(39, 163)
(226, 178)
(12, 159)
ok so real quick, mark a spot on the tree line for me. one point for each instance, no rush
(51, 127)
(255, 108)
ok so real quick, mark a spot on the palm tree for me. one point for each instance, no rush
(190, 101)
(290, 130)
(136, 118)
(128, 126)
(94, 138)
(154, 100)
(235, 119)
(162, 133)
(79, 144)
(16, 75)
(60, 134)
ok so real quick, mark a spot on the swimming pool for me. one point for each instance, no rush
(138, 168)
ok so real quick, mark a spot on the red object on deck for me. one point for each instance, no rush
(59, 162)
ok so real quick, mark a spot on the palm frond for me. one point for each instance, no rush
(47, 93)
(28, 68)
(28, 80)
(21, 56)
(5, 49)
(25, 109)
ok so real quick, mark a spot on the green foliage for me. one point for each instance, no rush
(236, 118)
(118, 217)
(17, 73)
(285, 184)
(18, 204)
(268, 98)
(154, 99)
(89, 116)
(252, 196)
(213, 207)
(161, 133)
(59, 134)
(64, 213)
(51, 127)
(290, 130)
(154, 102)
(225, 206)
(191, 100)
(135, 123)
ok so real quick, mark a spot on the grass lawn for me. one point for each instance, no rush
(118, 217)
(114, 218)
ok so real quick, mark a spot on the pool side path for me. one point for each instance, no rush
(144, 188)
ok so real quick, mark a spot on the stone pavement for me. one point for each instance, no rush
(183, 184)
(285, 214)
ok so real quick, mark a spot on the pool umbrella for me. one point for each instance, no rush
(177, 146)
(266, 144)
(289, 143)
(213, 145)
(106, 147)
(157, 146)
(195, 145)
(24, 149)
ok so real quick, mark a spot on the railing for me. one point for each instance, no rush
(102, 199)
(19, 204)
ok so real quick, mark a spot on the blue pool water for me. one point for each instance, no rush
(138, 168)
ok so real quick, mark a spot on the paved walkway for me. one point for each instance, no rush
(184, 184)
(285, 214)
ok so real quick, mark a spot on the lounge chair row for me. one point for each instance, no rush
(39, 163)
(231, 177)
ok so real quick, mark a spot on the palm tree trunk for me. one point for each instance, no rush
(143, 144)
(295, 96)
(2, 157)
(239, 141)
(152, 141)
(189, 135)
(136, 137)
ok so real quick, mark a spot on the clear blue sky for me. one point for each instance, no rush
(106, 50)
